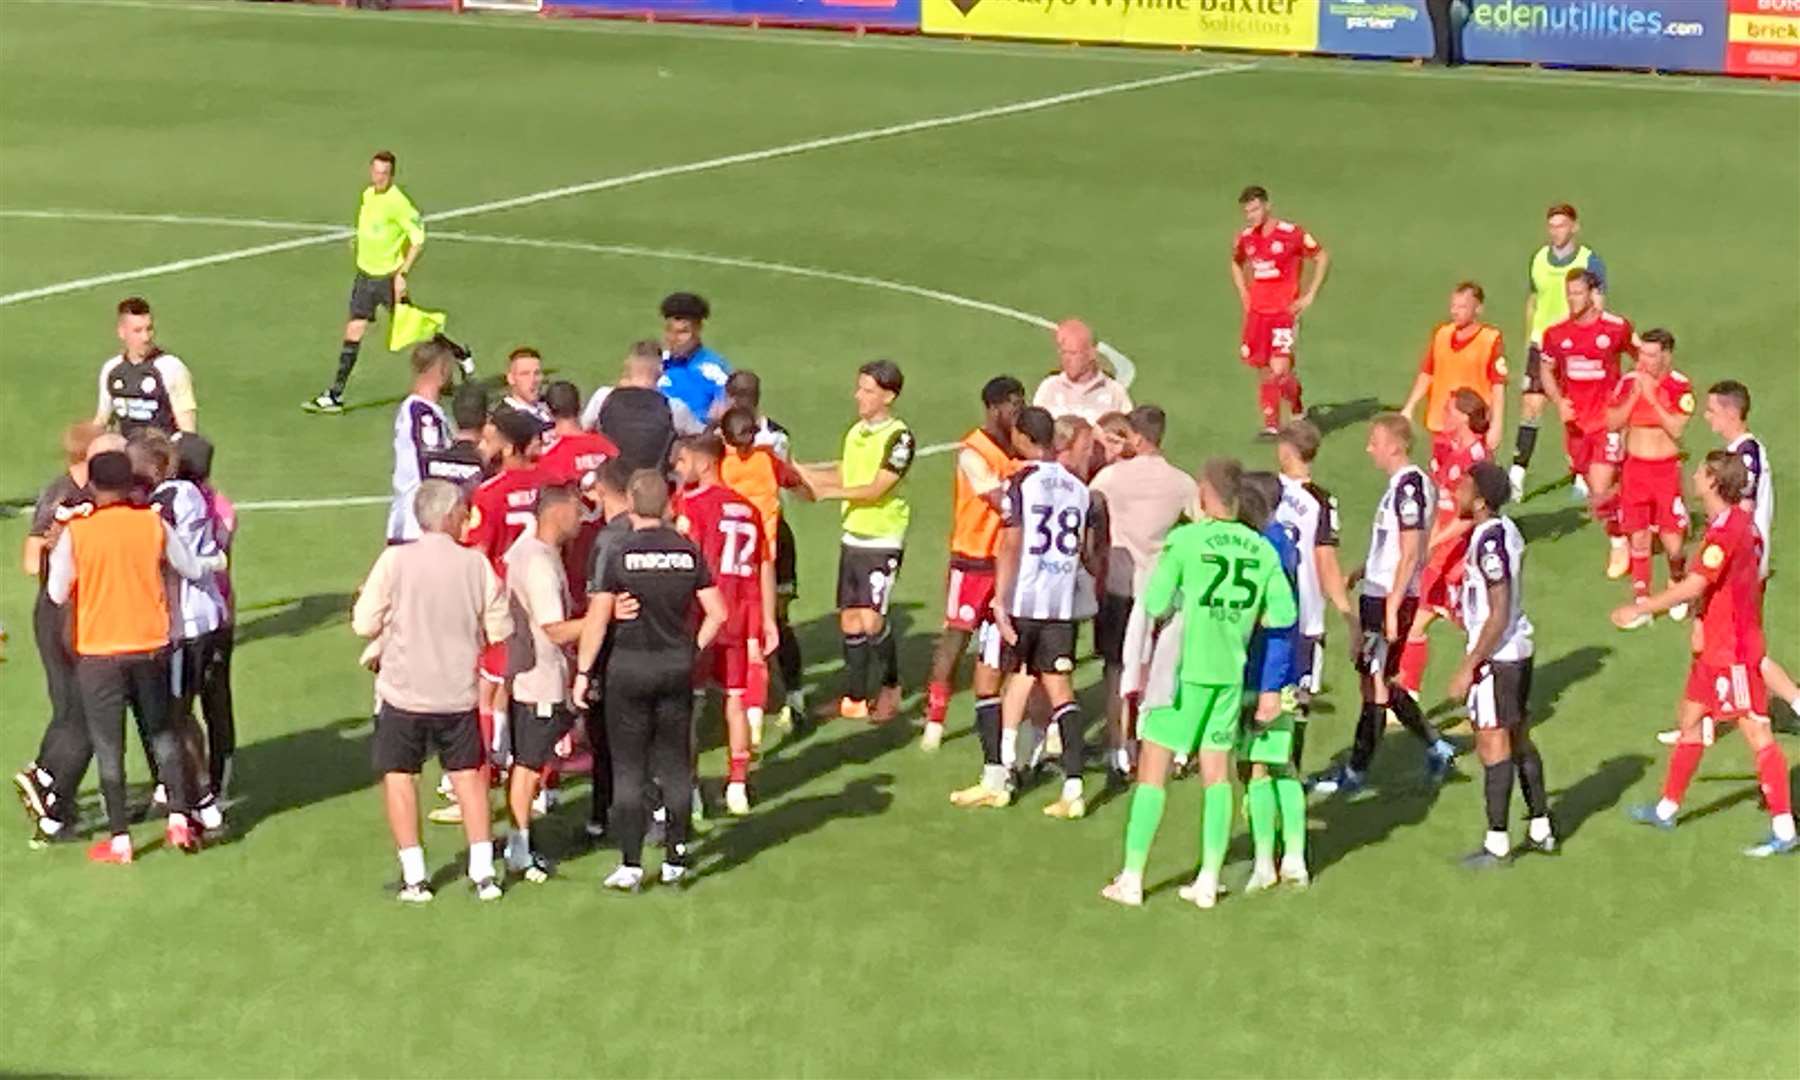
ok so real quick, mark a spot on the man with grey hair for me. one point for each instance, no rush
(430, 607)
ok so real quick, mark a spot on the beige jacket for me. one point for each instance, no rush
(433, 604)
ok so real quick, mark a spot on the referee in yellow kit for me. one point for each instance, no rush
(390, 234)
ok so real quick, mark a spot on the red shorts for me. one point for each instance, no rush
(1587, 449)
(968, 597)
(725, 665)
(493, 663)
(1443, 576)
(1728, 691)
(1267, 334)
(1650, 496)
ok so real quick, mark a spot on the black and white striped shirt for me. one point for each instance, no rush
(1760, 499)
(1405, 509)
(1052, 509)
(1309, 513)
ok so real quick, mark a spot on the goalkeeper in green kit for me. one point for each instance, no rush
(1221, 581)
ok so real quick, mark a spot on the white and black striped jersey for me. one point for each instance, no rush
(1496, 556)
(420, 430)
(1760, 499)
(1405, 510)
(1309, 514)
(1051, 508)
(773, 436)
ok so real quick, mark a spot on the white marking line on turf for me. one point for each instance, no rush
(1127, 371)
(643, 176)
(977, 48)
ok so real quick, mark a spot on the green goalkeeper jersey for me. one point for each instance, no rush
(1227, 580)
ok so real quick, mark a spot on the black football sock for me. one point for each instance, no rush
(1525, 444)
(856, 667)
(1531, 779)
(787, 657)
(887, 650)
(1299, 741)
(1411, 717)
(346, 363)
(1368, 733)
(1497, 783)
(1068, 721)
(987, 729)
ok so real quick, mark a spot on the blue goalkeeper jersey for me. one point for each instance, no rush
(1272, 660)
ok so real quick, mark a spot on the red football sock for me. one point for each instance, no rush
(937, 702)
(1677, 568)
(1640, 575)
(1606, 512)
(548, 777)
(1131, 716)
(739, 769)
(1291, 391)
(1268, 399)
(1683, 764)
(1413, 657)
(756, 685)
(1772, 777)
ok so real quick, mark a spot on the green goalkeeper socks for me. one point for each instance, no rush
(1260, 795)
(1141, 824)
(1292, 799)
(1215, 827)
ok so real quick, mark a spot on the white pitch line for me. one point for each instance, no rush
(1127, 371)
(642, 176)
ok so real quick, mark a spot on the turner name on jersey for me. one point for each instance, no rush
(1052, 509)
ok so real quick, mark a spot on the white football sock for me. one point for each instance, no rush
(1497, 844)
(1540, 829)
(412, 865)
(1009, 747)
(1071, 789)
(1783, 826)
(1667, 810)
(481, 860)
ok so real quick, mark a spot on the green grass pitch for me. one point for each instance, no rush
(856, 924)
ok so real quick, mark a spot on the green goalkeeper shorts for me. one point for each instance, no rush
(1273, 743)
(1202, 718)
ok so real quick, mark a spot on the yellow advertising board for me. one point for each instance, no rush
(1274, 25)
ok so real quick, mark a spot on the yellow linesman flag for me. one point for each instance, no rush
(411, 325)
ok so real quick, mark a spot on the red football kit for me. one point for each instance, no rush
(1586, 357)
(576, 459)
(1444, 563)
(1726, 675)
(1650, 488)
(500, 511)
(1271, 260)
(729, 533)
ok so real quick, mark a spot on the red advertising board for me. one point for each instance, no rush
(1764, 38)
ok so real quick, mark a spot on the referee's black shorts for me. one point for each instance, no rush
(368, 292)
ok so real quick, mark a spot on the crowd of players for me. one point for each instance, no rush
(564, 577)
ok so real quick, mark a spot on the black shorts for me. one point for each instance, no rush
(1501, 695)
(866, 577)
(1045, 647)
(787, 562)
(1375, 654)
(368, 293)
(536, 730)
(403, 740)
(1534, 370)
(1109, 627)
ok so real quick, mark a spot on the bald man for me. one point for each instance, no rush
(1080, 387)
(634, 414)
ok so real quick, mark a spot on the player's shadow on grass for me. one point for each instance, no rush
(293, 615)
(1749, 791)
(796, 763)
(1550, 680)
(771, 826)
(1595, 793)
(1398, 795)
(300, 768)
(1337, 415)
(1553, 524)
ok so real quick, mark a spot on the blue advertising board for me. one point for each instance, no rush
(1670, 35)
(1375, 28)
(884, 14)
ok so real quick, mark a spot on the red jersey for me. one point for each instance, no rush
(502, 509)
(729, 533)
(1730, 560)
(1587, 358)
(1272, 259)
(1449, 464)
(576, 459)
(1673, 390)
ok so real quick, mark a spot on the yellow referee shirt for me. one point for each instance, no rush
(386, 223)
